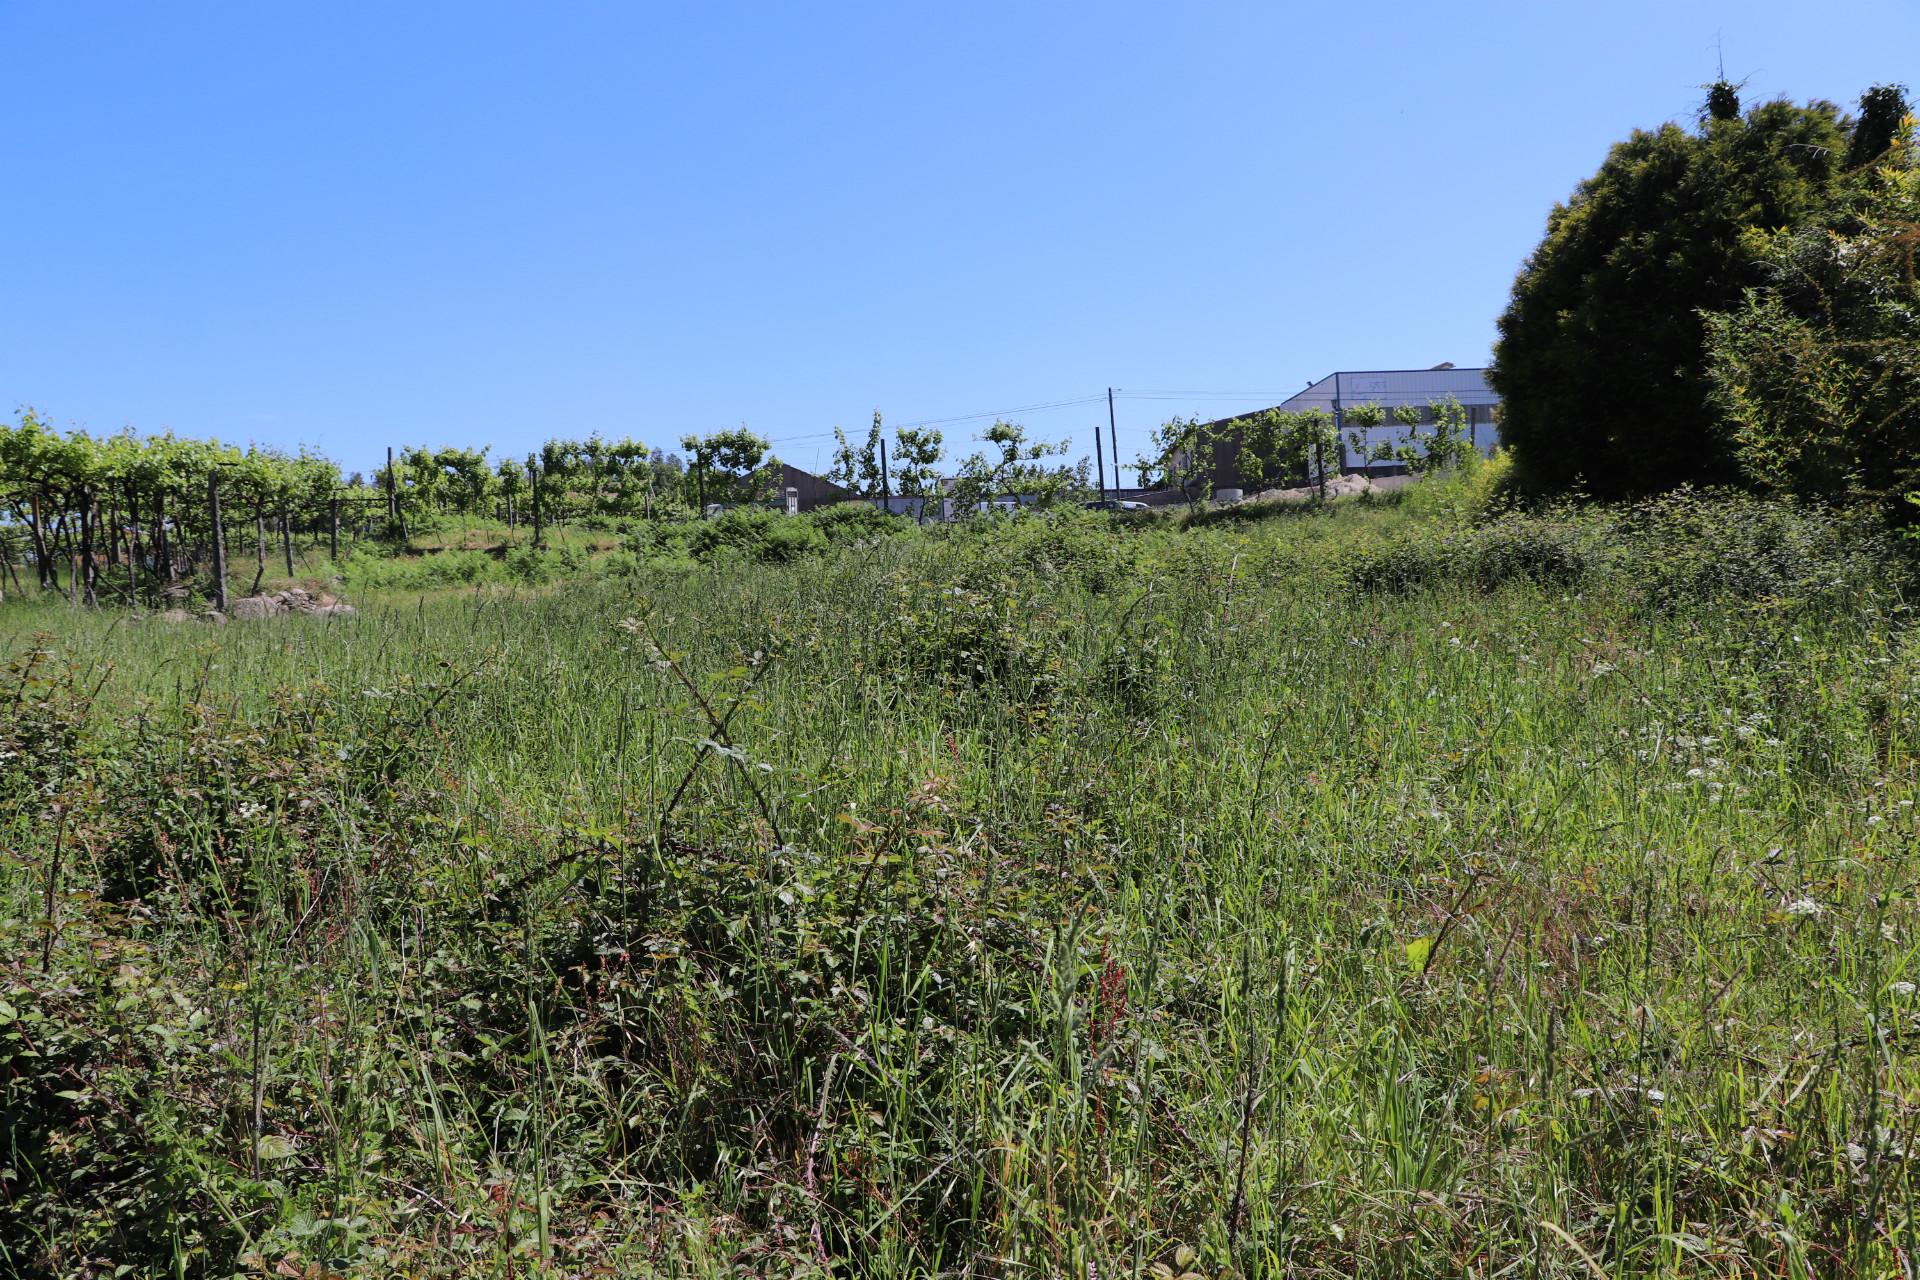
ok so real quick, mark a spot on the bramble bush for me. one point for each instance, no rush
(915, 902)
(1665, 552)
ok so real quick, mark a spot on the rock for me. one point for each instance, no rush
(278, 604)
(214, 616)
(256, 607)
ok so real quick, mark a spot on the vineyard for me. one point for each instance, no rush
(1392, 886)
(148, 520)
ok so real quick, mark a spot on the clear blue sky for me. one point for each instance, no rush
(355, 224)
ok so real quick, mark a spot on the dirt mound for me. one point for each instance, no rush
(1346, 486)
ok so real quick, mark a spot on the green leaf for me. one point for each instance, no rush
(1417, 952)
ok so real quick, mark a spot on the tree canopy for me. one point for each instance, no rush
(731, 467)
(1817, 368)
(1601, 359)
(911, 467)
(1014, 466)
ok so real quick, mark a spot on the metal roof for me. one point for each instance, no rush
(1390, 387)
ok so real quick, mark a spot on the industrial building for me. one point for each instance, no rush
(1335, 394)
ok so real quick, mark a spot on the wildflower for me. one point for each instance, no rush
(1901, 989)
(1803, 907)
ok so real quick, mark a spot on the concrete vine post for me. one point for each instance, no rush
(219, 542)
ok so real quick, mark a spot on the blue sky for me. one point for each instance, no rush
(353, 224)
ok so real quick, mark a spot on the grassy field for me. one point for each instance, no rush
(1375, 891)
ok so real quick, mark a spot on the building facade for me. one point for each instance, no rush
(1390, 389)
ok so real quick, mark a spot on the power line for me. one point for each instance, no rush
(1049, 406)
(1270, 396)
(1002, 413)
(1046, 406)
(1178, 391)
(817, 435)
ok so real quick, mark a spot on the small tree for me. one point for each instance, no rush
(1016, 466)
(1445, 444)
(916, 459)
(1181, 454)
(732, 467)
(510, 481)
(913, 462)
(857, 469)
(1280, 445)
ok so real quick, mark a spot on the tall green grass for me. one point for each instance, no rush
(1354, 892)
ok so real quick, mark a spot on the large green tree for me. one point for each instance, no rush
(1600, 362)
(1818, 369)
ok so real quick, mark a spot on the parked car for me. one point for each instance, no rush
(1115, 504)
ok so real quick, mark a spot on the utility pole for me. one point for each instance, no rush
(219, 541)
(1113, 437)
(393, 501)
(886, 492)
(1100, 459)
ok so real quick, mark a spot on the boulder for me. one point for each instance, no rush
(256, 607)
(214, 616)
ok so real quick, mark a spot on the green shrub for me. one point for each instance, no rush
(1686, 546)
(755, 535)
(1063, 546)
(846, 522)
(1690, 545)
(619, 564)
(366, 570)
